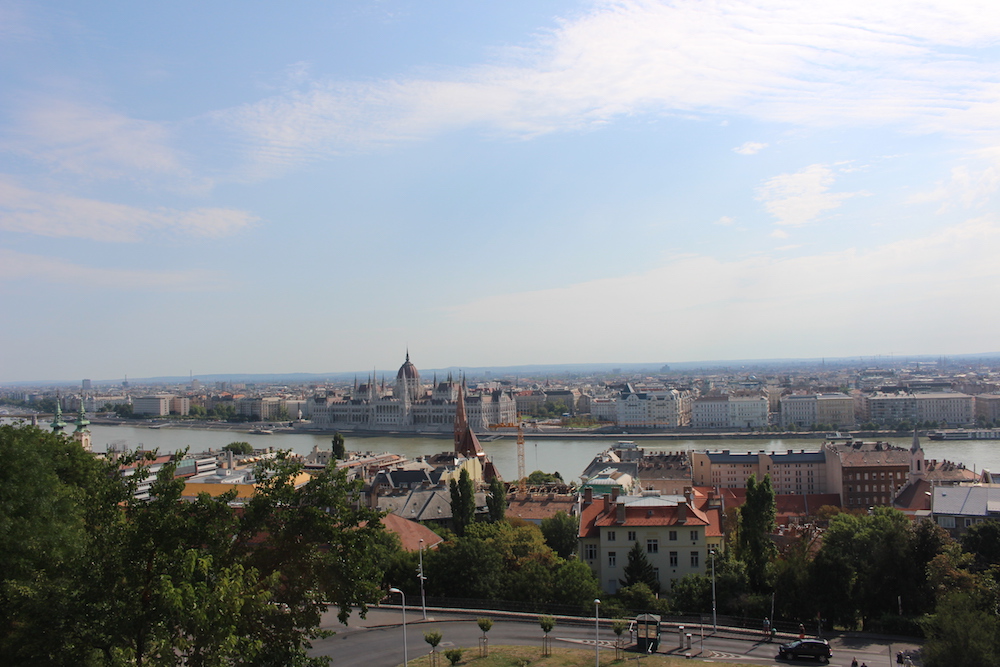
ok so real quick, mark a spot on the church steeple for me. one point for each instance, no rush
(82, 433)
(57, 421)
(917, 463)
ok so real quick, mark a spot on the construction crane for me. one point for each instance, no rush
(522, 478)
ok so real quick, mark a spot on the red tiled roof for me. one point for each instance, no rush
(410, 532)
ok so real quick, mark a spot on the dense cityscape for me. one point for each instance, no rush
(680, 506)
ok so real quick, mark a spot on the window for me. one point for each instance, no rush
(946, 521)
(694, 559)
(631, 536)
(694, 535)
(611, 536)
(612, 559)
(673, 559)
(673, 535)
(590, 551)
(652, 546)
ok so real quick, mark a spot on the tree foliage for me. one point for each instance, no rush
(538, 478)
(496, 500)
(242, 448)
(756, 523)
(639, 570)
(110, 579)
(339, 447)
(463, 502)
(561, 533)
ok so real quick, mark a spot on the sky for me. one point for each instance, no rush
(260, 187)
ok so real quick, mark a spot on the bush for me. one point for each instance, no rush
(453, 655)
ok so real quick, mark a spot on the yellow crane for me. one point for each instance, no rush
(522, 478)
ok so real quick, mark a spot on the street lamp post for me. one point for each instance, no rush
(597, 633)
(715, 624)
(403, 597)
(420, 575)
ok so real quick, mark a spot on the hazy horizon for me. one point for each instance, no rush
(536, 370)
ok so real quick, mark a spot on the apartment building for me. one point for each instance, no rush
(671, 530)
(710, 412)
(654, 409)
(157, 405)
(792, 472)
(988, 407)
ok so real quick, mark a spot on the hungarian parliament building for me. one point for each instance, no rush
(409, 405)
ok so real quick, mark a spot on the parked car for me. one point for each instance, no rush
(806, 648)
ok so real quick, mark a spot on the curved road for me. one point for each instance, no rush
(377, 641)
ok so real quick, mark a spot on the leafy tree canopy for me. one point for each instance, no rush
(561, 533)
(110, 579)
(242, 448)
(639, 570)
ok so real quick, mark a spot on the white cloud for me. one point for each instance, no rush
(46, 214)
(968, 186)
(726, 221)
(750, 148)
(770, 306)
(779, 234)
(799, 198)
(91, 141)
(847, 63)
(16, 266)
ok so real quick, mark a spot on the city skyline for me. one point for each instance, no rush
(277, 189)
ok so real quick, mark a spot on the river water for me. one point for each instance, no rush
(567, 456)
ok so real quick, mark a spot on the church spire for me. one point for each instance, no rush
(82, 433)
(461, 421)
(57, 421)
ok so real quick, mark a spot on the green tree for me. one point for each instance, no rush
(242, 448)
(639, 597)
(756, 523)
(111, 579)
(124, 410)
(480, 565)
(866, 566)
(561, 533)
(983, 542)
(454, 655)
(639, 570)
(538, 478)
(546, 623)
(433, 637)
(496, 501)
(339, 448)
(574, 583)
(964, 631)
(463, 502)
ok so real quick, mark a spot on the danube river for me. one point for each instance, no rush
(567, 456)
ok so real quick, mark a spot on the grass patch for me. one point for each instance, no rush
(531, 656)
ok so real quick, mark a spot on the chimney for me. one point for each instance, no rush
(614, 493)
(607, 503)
(621, 513)
(682, 512)
(588, 495)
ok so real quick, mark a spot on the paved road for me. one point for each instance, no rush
(378, 640)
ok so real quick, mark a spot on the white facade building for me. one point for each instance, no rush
(748, 412)
(668, 408)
